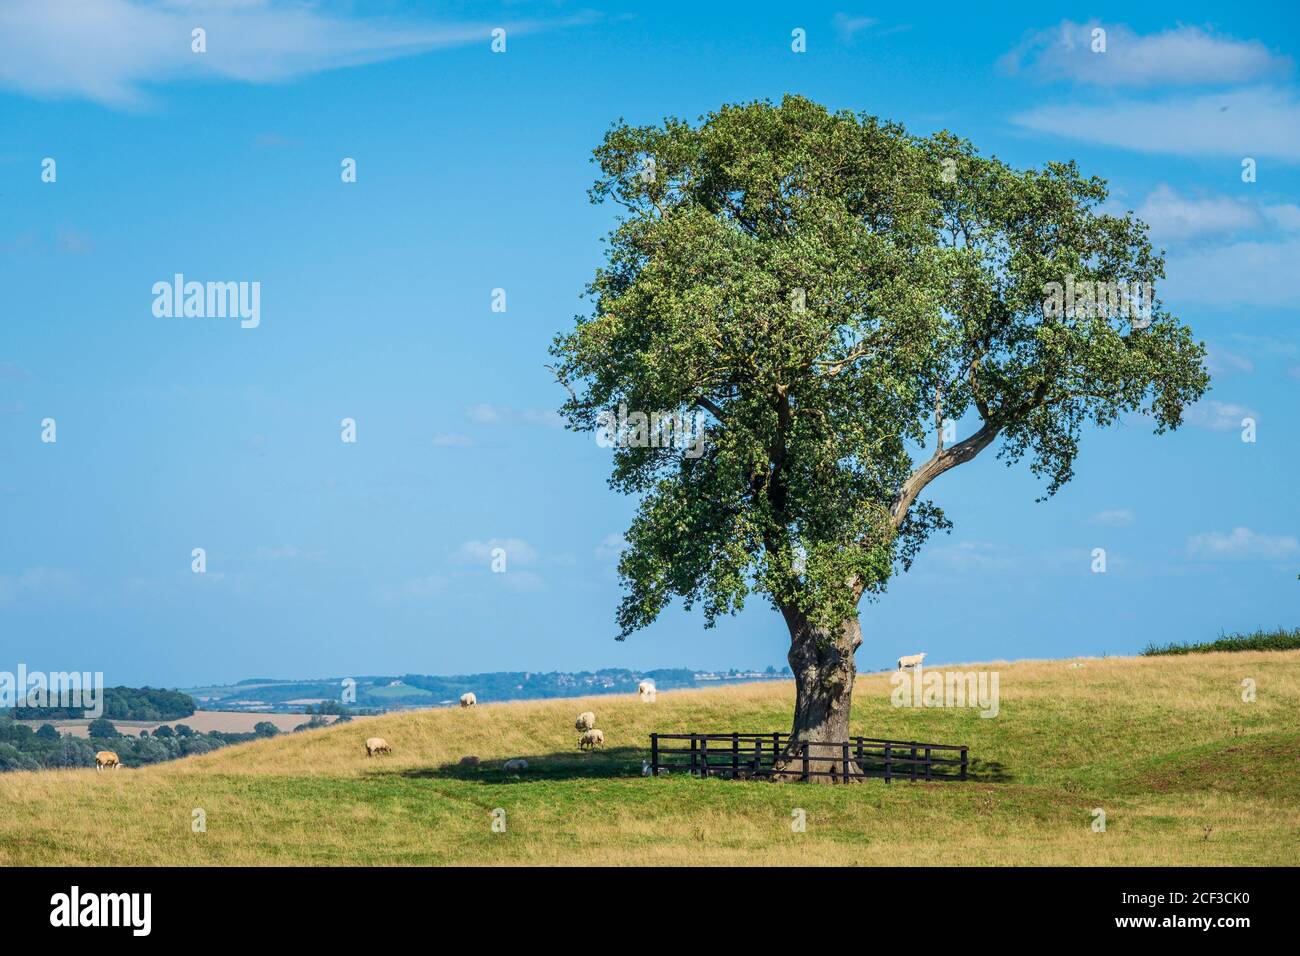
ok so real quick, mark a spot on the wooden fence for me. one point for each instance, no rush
(753, 756)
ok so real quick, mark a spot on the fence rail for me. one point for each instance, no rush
(755, 755)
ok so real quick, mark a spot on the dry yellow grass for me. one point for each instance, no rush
(1165, 746)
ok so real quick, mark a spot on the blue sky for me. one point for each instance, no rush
(326, 558)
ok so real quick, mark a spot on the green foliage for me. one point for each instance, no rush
(121, 703)
(264, 728)
(1278, 640)
(102, 727)
(826, 288)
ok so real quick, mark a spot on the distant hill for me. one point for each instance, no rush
(396, 692)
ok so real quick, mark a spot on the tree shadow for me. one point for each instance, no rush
(626, 762)
(570, 765)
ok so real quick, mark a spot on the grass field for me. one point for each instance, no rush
(1185, 770)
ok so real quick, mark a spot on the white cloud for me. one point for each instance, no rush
(1222, 362)
(1260, 122)
(973, 556)
(1175, 217)
(610, 547)
(1239, 274)
(37, 583)
(1242, 544)
(848, 26)
(1218, 416)
(1116, 518)
(1182, 55)
(109, 51)
(503, 415)
(414, 589)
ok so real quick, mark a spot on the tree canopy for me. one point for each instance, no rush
(827, 290)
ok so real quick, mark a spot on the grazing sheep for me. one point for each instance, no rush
(470, 761)
(912, 660)
(586, 720)
(591, 738)
(377, 745)
(468, 700)
(646, 691)
(517, 765)
(106, 758)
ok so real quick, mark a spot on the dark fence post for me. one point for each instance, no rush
(928, 763)
(887, 763)
(694, 765)
(654, 755)
(735, 753)
(704, 755)
(846, 761)
(963, 763)
(913, 763)
(805, 761)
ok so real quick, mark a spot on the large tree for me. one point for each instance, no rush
(826, 290)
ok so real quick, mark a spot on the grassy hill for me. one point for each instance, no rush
(1165, 745)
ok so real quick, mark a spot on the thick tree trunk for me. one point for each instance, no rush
(822, 661)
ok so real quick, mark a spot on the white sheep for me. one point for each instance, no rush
(912, 660)
(106, 758)
(517, 765)
(377, 745)
(468, 700)
(591, 738)
(646, 691)
(586, 720)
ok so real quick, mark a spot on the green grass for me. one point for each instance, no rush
(1187, 772)
(1278, 640)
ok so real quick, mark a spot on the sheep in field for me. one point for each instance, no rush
(106, 758)
(377, 745)
(912, 660)
(517, 765)
(646, 691)
(586, 721)
(591, 738)
(468, 700)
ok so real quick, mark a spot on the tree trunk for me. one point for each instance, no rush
(822, 661)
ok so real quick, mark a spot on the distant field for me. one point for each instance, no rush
(1187, 772)
(231, 722)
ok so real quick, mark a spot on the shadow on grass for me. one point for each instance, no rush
(617, 762)
(573, 765)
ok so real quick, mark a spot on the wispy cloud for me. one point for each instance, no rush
(1236, 274)
(110, 51)
(1218, 416)
(503, 415)
(1115, 518)
(1255, 122)
(1183, 55)
(1174, 217)
(1242, 544)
